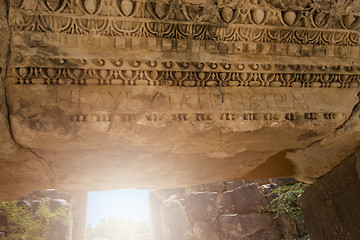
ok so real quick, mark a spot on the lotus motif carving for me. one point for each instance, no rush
(91, 6)
(53, 5)
(126, 7)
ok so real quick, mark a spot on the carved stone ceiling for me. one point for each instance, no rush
(104, 94)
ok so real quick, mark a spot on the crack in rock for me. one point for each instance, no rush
(6, 100)
(7, 63)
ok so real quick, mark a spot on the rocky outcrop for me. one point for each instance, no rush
(330, 205)
(219, 211)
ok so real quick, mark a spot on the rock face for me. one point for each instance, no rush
(330, 206)
(21, 170)
(226, 214)
(249, 226)
(94, 92)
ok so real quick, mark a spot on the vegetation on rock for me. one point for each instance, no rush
(286, 201)
(26, 224)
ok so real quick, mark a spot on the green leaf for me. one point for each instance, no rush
(286, 201)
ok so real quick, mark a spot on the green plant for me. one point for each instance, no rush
(24, 224)
(286, 201)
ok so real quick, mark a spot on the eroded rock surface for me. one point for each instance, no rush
(21, 169)
(336, 216)
(210, 212)
(155, 94)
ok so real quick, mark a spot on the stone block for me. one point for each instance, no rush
(242, 200)
(287, 227)
(225, 203)
(252, 226)
(204, 230)
(38, 195)
(330, 205)
(231, 185)
(201, 206)
(284, 181)
(218, 187)
(260, 181)
(164, 194)
(175, 222)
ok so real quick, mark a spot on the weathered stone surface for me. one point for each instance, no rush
(6, 142)
(249, 226)
(175, 221)
(41, 194)
(204, 230)
(330, 205)
(21, 170)
(218, 187)
(201, 206)
(231, 185)
(225, 203)
(287, 226)
(79, 143)
(243, 200)
(337, 145)
(98, 91)
(211, 217)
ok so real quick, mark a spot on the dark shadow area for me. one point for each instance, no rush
(277, 166)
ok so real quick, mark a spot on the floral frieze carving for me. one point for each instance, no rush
(240, 20)
(184, 43)
(251, 75)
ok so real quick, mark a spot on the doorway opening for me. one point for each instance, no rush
(118, 215)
